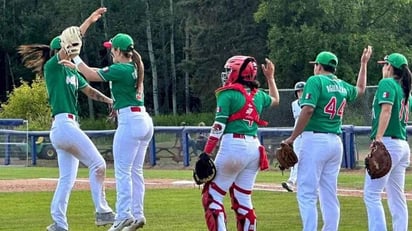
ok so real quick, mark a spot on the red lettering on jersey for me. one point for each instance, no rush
(248, 112)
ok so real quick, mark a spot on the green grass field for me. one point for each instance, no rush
(171, 209)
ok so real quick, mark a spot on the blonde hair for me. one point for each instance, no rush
(34, 56)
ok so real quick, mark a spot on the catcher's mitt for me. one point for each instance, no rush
(285, 156)
(378, 162)
(71, 40)
(205, 169)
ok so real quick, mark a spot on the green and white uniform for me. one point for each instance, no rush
(71, 143)
(319, 165)
(328, 95)
(131, 140)
(390, 92)
(231, 101)
(122, 77)
(62, 87)
(237, 161)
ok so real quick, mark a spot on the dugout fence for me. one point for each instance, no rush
(174, 146)
(14, 141)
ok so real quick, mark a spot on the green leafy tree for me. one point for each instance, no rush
(301, 29)
(219, 30)
(29, 102)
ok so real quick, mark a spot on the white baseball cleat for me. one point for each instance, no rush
(55, 227)
(119, 225)
(105, 218)
(138, 223)
(288, 186)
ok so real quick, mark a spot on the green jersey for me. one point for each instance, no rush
(231, 101)
(62, 85)
(328, 96)
(390, 91)
(122, 77)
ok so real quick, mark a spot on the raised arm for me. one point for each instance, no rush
(362, 75)
(96, 15)
(269, 72)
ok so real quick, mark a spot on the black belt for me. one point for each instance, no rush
(393, 137)
(396, 138)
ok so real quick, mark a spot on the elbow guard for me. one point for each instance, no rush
(215, 133)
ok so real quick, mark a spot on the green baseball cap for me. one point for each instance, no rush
(55, 43)
(326, 58)
(395, 59)
(121, 41)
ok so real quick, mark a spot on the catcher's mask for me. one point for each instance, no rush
(71, 40)
(239, 66)
(298, 87)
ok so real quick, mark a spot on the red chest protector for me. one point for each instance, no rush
(248, 112)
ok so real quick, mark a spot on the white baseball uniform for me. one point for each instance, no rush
(71, 143)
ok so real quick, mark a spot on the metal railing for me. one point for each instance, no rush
(348, 136)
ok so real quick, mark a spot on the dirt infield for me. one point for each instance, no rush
(49, 184)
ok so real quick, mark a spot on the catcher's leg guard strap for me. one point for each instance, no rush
(246, 217)
(215, 214)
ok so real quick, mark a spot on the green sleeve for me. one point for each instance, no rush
(352, 92)
(111, 73)
(311, 92)
(223, 107)
(386, 91)
(82, 82)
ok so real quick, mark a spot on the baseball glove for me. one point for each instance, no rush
(205, 170)
(285, 156)
(378, 162)
(71, 40)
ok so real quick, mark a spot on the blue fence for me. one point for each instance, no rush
(348, 138)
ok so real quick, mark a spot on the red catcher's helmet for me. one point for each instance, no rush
(239, 66)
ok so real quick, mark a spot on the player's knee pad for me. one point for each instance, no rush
(246, 217)
(215, 216)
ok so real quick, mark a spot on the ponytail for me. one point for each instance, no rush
(406, 81)
(138, 63)
(35, 56)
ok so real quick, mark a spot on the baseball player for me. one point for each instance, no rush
(390, 110)
(291, 182)
(239, 105)
(71, 143)
(323, 102)
(135, 127)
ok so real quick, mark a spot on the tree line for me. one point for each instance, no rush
(185, 43)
